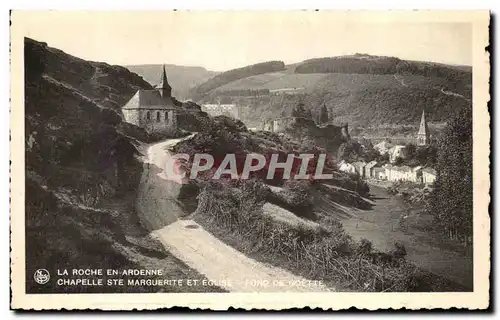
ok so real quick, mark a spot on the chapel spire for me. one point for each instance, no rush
(165, 88)
(423, 131)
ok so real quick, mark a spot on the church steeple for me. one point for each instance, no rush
(423, 131)
(165, 88)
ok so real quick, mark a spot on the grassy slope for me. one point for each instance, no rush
(81, 173)
(275, 80)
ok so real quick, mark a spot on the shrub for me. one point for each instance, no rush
(325, 253)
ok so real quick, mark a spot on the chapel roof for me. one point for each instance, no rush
(149, 99)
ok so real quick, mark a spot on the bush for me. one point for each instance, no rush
(325, 253)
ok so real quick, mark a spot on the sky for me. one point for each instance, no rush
(221, 41)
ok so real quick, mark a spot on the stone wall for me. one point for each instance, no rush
(131, 116)
(152, 120)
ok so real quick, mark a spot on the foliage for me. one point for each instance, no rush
(451, 200)
(323, 115)
(297, 196)
(427, 155)
(420, 156)
(301, 112)
(365, 100)
(349, 64)
(324, 253)
(350, 151)
(235, 74)
(366, 64)
(410, 191)
(82, 171)
(398, 161)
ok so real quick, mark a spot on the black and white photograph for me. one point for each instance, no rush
(176, 152)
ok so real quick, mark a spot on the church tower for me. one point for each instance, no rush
(165, 88)
(423, 132)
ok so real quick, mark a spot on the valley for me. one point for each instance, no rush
(100, 138)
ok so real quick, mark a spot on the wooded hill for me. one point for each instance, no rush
(360, 89)
(236, 74)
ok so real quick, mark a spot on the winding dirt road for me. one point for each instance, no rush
(223, 266)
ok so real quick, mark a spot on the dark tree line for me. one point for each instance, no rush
(236, 74)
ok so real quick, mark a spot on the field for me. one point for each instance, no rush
(385, 223)
(275, 80)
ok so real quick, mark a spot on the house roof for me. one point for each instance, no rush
(378, 169)
(149, 99)
(371, 164)
(429, 170)
(383, 144)
(359, 164)
(345, 164)
(396, 148)
(401, 168)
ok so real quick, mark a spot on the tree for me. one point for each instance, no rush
(411, 150)
(308, 114)
(451, 199)
(398, 161)
(350, 151)
(427, 155)
(323, 115)
(300, 112)
(283, 113)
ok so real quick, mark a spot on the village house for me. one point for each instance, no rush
(397, 152)
(403, 173)
(383, 147)
(429, 176)
(278, 125)
(346, 167)
(152, 109)
(359, 166)
(369, 169)
(379, 173)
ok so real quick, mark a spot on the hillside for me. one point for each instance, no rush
(181, 78)
(362, 90)
(82, 170)
(296, 225)
(234, 75)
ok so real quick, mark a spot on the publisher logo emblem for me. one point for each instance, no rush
(42, 276)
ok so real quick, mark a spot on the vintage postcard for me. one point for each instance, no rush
(256, 160)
